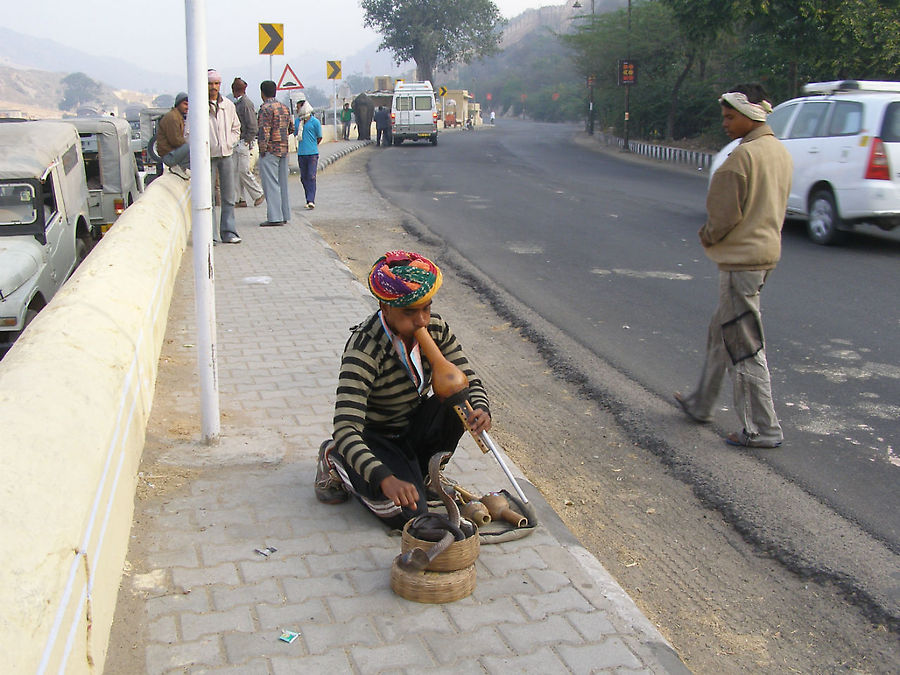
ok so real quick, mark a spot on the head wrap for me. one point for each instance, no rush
(755, 111)
(306, 110)
(404, 279)
(180, 97)
(212, 75)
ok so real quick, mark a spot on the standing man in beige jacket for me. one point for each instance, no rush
(745, 212)
(224, 134)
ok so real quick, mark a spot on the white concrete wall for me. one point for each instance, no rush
(75, 395)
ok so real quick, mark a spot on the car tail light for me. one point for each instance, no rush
(878, 168)
(119, 205)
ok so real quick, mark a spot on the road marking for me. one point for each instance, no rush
(524, 248)
(644, 274)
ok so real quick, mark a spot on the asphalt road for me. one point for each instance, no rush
(605, 249)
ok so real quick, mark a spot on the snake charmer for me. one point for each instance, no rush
(387, 423)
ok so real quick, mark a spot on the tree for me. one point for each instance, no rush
(436, 34)
(358, 82)
(78, 88)
(792, 41)
(700, 23)
(663, 55)
(316, 96)
(164, 101)
(538, 67)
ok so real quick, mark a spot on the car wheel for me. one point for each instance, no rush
(434, 140)
(824, 222)
(82, 248)
(151, 149)
(398, 141)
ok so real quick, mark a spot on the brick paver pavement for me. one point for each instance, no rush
(207, 602)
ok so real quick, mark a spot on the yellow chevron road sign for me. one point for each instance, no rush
(271, 38)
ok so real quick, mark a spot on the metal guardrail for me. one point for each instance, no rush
(664, 153)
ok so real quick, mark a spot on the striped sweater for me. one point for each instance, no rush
(375, 391)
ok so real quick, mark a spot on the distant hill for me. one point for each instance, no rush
(26, 52)
(38, 93)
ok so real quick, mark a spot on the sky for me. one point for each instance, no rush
(151, 32)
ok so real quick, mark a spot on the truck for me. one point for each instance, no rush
(414, 113)
(44, 218)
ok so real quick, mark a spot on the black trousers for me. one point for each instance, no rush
(435, 428)
(382, 136)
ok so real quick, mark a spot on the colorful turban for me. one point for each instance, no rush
(404, 279)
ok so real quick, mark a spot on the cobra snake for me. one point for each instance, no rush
(434, 526)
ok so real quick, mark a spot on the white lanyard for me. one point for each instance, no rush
(411, 360)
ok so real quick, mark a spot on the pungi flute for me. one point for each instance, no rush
(447, 380)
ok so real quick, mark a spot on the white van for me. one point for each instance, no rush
(44, 218)
(414, 113)
(844, 138)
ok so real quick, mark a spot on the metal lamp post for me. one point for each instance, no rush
(577, 5)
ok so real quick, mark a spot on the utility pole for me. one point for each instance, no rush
(628, 87)
(202, 218)
(591, 77)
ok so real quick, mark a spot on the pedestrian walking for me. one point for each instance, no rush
(745, 211)
(308, 153)
(275, 127)
(382, 126)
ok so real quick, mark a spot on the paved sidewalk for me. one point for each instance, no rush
(198, 598)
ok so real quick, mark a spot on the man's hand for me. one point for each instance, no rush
(479, 420)
(400, 492)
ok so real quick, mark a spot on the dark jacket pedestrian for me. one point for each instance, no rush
(382, 126)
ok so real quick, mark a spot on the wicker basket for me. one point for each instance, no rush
(432, 587)
(459, 555)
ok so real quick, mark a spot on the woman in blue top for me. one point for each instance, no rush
(308, 151)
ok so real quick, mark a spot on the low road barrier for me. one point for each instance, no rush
(665, 153)
(75, 396)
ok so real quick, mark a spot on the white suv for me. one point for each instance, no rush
(844, 138)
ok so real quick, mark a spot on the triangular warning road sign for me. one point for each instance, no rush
(289, 80)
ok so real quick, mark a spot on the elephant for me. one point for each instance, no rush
(363, 109)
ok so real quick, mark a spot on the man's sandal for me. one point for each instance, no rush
(742, 439)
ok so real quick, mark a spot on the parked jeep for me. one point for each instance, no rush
(44, 218)
(109, 164)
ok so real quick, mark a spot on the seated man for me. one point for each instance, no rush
(386, 426)
(171, 145)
